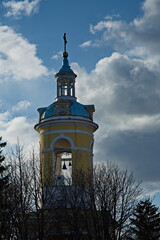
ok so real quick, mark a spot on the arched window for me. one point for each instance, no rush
(62, 162)
(65, 87)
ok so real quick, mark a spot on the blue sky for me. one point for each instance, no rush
(113, 48)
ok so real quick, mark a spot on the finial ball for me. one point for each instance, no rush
(65, 54)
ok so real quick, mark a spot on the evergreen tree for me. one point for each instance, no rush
(3, 177)
(145, 223)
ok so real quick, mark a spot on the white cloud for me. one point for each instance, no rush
(86, 44)
(57, 56)
(140, 38)
(19, 8)
(126, 94)
(107, 24)
(18, 58)
(125, 89)
(17, 128)
(3, 118)
(20, 106)
(151, 15)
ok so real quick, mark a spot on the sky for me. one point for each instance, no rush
(113, 48)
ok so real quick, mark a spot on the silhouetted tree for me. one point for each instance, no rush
(3, 185)
(95, 206)
(145, 223)
(114, 193)
(3, 177)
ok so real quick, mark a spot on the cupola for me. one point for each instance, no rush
(65, 78)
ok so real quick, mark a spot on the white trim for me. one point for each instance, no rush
(66, 121)
(66, 117)
(66, 131)
(74, 148)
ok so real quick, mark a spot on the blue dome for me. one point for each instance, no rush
(50, 111)
(78, 109)
(75, 109)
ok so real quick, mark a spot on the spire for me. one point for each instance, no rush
(65, 77)
(65, 66)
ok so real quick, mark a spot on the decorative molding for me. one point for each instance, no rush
(64, 120)
(74, 148)
(67, 131)
(66, 117)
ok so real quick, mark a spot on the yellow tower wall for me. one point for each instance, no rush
(79, 133)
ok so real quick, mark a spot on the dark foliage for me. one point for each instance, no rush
(145, 223)
(3, 177)
(3, 186)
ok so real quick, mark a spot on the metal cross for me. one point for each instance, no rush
(65, 42)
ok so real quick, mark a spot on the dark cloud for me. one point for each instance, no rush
(125, 89)
(140, 152)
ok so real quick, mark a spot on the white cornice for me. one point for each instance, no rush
(66, 117)
(59, 121)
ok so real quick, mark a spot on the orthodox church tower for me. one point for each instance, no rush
(66, 130)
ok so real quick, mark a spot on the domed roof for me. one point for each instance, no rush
(78, 109)
(50, 111)
(71, 108)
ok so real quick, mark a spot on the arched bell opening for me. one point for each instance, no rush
(65, 88)
(62, 162)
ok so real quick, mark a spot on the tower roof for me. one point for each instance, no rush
(71, 108)
(65, 67)
(66, 102)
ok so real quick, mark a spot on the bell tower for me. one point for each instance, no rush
(66, 131)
